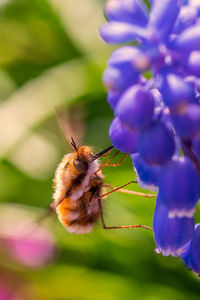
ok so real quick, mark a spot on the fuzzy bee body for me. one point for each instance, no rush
(76, 190)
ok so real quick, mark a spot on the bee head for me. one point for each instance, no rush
(84, 156)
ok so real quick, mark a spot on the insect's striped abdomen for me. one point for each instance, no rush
(80, 216)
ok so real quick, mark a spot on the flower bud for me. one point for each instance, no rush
(130, 11)
(119, 79)
(163, 16)
(186, 120)
(188, 40)
(175, 90)
(193, 63)
(113, 98)
(122, 138)
(135, 108)
(119, 32)
(156, 144)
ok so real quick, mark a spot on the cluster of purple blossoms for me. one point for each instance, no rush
(157, 120)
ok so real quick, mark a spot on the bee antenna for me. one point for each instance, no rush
(73, 144)
(102, 152)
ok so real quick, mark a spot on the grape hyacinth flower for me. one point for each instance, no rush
(191, 254)
(147, 175)
(157, 120)
(170, 234)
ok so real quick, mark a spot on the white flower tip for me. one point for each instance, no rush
(169, 251)
(145, 186)
(181, 213)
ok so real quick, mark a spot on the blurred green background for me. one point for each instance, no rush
(51, 55)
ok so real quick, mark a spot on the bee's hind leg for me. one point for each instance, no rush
(129, 191)
(118, 227)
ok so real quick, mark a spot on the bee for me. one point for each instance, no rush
(79, 187)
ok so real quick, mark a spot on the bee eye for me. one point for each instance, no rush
(80, 165)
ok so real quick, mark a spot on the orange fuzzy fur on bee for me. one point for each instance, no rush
(76, 190)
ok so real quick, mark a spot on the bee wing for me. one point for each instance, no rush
(72, 124)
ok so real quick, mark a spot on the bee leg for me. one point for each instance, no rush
(116, 189)
(106, 164)
(106, 155)
(130, 192)
(103, 165)
(119, 163)
(118, 227)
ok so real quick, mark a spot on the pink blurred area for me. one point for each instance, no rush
(7, 294)
(24, 240)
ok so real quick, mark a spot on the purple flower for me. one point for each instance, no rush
(175, 90)
(185, 255)
(193, 63)
(120, 32)
(113, 98)
(189, 39)
(191, 254)
(163, 16)
(159, 117)
(186, 120)
(170, 234)
(118, 79)
(122, 138)
(187, 17)
(147, 175)
(135, 108)
(179, 187)
(156, 144)
(130, 11)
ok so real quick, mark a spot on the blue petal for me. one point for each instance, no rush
(156, 144)
(179, 187)
(185, 255)
(123, 55)
(129, 55)
(194, 251)
(171, 234)
(188, 40)
(193, 63)
(148, 175)
(118, 32)
(119, 79)
(135, 108)
(113, 98)
(130, 11)
(175, 90)
(163, 16)
(122, 139)
(186, 120)
(187, 17)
